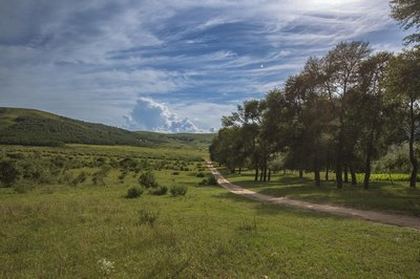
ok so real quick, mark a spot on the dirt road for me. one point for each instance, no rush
(374, 216)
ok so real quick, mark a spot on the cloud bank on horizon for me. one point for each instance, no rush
(169, 65)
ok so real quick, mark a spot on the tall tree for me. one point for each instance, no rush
(371, 109)
(403, 82)
(345, 60)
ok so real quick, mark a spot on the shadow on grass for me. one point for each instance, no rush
(382, 196)
(263, 208)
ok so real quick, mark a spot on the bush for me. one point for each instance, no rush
(159, 191)
(8, 173)
(148, 217)
(203, 182)
(134, 192)
(148, 180)
(175, 173)
(178, 190)
(211, 180)
(201, 174)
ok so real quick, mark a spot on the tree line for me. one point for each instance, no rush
(340, 113)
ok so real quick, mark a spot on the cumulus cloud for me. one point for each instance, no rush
(150, 115)
(92, 59)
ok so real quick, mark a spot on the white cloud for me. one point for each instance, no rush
(150, 115)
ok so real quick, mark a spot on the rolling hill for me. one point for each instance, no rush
(35, 127)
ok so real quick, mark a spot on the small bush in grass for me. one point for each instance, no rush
(148, 217)
(148, 180)
(159, 191)
(211, 180)
(175, 173)
(134, 192)
(201, 174)
(178, 190)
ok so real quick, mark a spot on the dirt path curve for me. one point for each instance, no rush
(379, 217)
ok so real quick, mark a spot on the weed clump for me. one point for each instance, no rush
(148, 180)
(148, 217)
(178, 190)
(210, 181)
(134, 192)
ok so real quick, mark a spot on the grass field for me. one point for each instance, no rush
(383, 194)
(83, 230)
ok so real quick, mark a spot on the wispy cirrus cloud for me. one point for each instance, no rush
(96, 59)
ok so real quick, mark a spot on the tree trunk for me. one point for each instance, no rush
(346, 174)
(256, 173)
(353, 176)
(413, 159)
(300, 173)
(368, 164)
(261, 174)
(327, 174)
(269, 175)
(339, 175)
(265, 173)
(339, 159)
(239, 171)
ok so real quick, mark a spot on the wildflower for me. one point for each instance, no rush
(107, 267)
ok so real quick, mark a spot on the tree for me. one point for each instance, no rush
(403, 82)
(344, 60)
(407, 12)
(371, 110)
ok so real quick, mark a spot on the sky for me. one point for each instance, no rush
(172, 66)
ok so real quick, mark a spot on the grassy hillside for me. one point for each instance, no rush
(34, 127)
(198, 140)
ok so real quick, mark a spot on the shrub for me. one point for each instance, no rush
(177, 190)
(134, 192)
(148, 180)
(159, 191)
(203, 182)
(211, 180)
(8, 173)
(201, 174)
(148, 217)
(175, 173)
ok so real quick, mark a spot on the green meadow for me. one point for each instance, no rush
(69, 225)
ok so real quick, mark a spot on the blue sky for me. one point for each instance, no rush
(169, 65)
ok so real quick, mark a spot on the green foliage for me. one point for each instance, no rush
(407, 12)
(8, 173)
(134, 192)
(211, 180)
(200, 174)
(178, 190)
(148, 217)
(148, 180)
